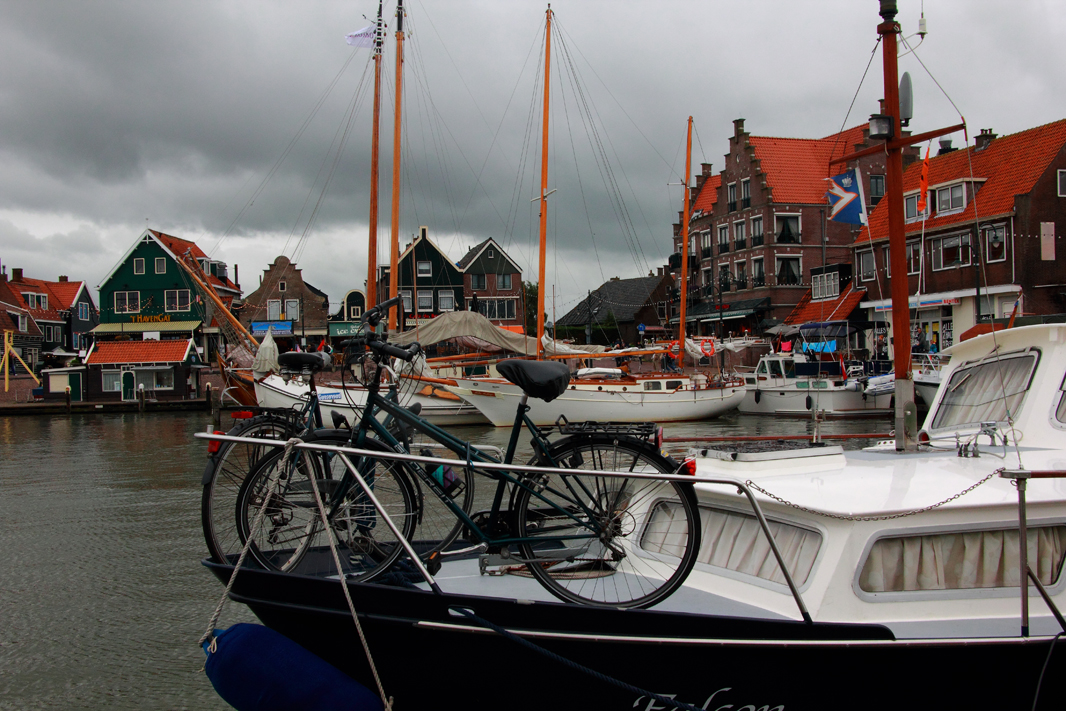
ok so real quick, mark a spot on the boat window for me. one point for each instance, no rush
(775, 367)
(1060, 412)
(762, 367)
(735, 541)
(790, 369)
(961, 560)
(653, 385)
(988, 391)
(673, 384)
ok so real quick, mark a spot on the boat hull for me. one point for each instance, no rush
(498, 401)
(792, 401)
(275, 392)
(423, 650)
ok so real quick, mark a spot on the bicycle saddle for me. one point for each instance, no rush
(543, 379)
(304, 361)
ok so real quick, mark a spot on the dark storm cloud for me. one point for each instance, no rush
(116, 115)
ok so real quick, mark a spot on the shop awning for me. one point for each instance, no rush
(153, 327)
(346, 328)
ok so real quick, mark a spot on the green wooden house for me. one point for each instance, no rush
(429, 282)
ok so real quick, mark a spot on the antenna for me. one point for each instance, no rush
(906, 100)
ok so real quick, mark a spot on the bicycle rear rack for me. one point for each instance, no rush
(643, 430)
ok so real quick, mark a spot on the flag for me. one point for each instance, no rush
(363, 38)
(923, 183)
(846, 200)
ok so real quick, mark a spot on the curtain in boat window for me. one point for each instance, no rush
(960, 561)
(989, 391)
(735, 541)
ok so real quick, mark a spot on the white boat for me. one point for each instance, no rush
(927, 369)
(438, 406)
(608, 395)
(793, 384)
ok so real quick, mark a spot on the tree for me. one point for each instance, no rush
(529, 306)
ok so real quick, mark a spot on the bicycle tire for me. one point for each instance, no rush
(223, 475)
(292, 538)
(621, 542)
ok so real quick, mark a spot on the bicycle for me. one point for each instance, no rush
(619, 541)
(228, 467)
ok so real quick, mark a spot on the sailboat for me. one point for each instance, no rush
(602, 394)
(900, 562)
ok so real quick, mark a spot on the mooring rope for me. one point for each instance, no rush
(574, 665)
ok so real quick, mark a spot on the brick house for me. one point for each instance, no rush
(148, 292)
(26, 336)
(285, 303)
(63, 309)
(759, 228)
(165, 370)
(496, 280)
(994, 231)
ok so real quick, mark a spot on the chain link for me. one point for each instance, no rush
(844, 517)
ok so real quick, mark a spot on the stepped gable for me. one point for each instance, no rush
(838, 309)
(118, 352)
(620, 298)
(1008, 166)
(796, 168)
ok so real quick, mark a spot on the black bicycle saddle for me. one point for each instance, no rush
(542, 379)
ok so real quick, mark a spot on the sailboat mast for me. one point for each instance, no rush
(684, 249)
(544, 183)
(372, 260)
(394, 263)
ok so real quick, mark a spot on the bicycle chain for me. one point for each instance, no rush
(845, 517)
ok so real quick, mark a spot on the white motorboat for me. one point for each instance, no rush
(794, 384)
(438, 406)
(927, 369)
(603, 394)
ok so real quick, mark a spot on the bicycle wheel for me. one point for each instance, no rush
(222, 479)
(438, 525)
(291, 537)
(608, 541)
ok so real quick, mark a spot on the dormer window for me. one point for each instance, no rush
(950, 199)
(825, 286)
(910, 209)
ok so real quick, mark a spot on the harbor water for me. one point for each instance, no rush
(102, 594)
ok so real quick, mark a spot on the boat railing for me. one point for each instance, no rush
(1025, 571)
(345, 453)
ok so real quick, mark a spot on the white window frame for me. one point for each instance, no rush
(938, 251)
(886, 259)
(138, 265)
(908, 200)
(127, 309)
(865, 275)
(739, 232)
(478, 282)
(160, 265)
(738, 267)
(756, 221)
(911, 245)
(949, 191)
(778, 258)
(723, 234)
(83, 311)
(42, 302)
(76, 338)
(116, 382)
(292, 309)
(762, 263)
(405, 294)
(490, 254)
(274, 309)
(1062, 183)
(177, 300)
(23, 321)
(355, 312)
(424, 269)
(503, 282)
(799, 226)
(281, 285)
(745, 189)
(986, 235)
(446, 300)
(879, 179)
(427, 306)
(731, 193)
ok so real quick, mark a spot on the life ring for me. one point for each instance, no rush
(672, 346)
(703, 347)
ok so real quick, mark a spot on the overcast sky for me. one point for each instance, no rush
(192, 118)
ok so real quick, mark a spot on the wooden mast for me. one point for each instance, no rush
(372, 260)
(544, 183)
(394, 263)
(684, 250)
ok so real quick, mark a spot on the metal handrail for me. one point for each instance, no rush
(524, 468)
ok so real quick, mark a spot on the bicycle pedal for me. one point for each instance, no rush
(432, 562)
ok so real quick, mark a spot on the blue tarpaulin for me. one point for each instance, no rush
(826, 347)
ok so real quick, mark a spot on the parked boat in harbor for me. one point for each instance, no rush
(795, 385)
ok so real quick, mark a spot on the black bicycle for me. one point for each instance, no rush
(590, 517)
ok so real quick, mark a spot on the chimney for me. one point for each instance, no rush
(62, 279)
(16, 274)
(738, 128)
(881, 106)
(945, 146)
(237, 275)
(986, 137)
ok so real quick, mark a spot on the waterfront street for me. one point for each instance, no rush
(103, 594)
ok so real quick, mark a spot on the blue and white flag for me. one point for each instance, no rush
(846, 200)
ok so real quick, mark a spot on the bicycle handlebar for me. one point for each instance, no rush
(408, 354)
(373, 316)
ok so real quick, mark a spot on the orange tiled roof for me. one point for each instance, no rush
(708, 194)
(838, 309)
(1010, 166)
(183, 248)
(796, 168)
(125, 352)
